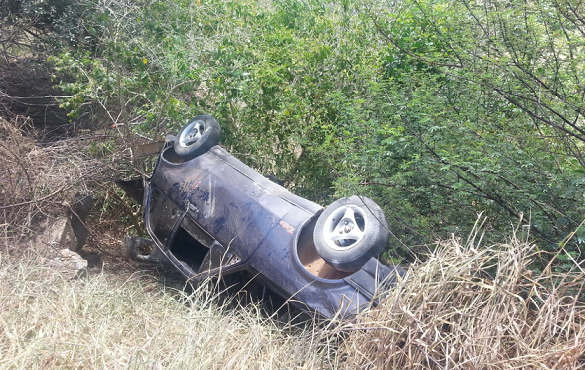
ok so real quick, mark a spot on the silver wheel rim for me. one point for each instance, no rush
(345, 227)
(192, 133)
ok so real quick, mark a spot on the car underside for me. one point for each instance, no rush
(211, 215)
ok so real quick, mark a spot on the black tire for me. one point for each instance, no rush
(197, 136)
(366, 232)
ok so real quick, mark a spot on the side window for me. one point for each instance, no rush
(162, 215)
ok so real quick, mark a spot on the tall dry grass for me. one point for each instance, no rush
(132, 322)
(463, 308)
(476, 308)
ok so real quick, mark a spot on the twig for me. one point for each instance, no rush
(37, 200)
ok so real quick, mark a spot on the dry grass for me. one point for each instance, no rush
(110, 322)
(468, 308)
(447, 314)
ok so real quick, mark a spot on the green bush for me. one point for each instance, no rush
(416, 106)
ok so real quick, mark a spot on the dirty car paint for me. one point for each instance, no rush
(261, 222)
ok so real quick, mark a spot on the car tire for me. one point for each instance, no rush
(197, 136)
(349, 232)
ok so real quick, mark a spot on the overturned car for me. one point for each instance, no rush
(210, 215)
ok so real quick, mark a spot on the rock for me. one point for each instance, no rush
(60, 235)
(78, 213)
(65, 253)
(57, 244)
(70, 264)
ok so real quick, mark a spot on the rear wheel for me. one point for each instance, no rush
(351, 231)
(197, 137)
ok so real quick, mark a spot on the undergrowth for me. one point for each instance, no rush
(113, 322)
(468, 307)
(462, 308)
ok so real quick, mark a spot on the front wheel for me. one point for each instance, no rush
(351, 231)
(197, 137)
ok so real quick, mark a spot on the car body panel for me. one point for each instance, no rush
(230, 207)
